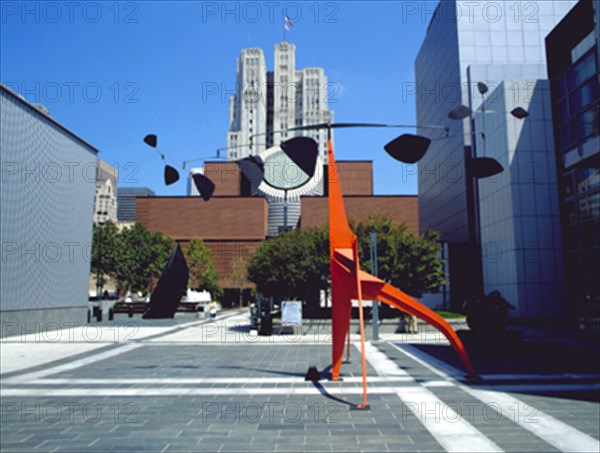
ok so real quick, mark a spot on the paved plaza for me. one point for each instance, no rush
(194, 385)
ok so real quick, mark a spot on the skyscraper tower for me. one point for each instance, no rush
(268, 103)
(247, 108)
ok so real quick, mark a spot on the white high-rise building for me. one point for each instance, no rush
(268, 103)
(248, 108)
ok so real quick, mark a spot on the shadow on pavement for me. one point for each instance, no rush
(529, 364)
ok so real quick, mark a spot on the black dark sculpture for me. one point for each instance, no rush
(204, 185)
(408, 148)
(171, 175)
(303, 151)
(170, 288)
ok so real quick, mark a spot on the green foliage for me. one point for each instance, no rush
(141, 258)
(203, 274)
(135, 257)
(450, 314)
(404, 260)
(293, 265)
(296, 265)
(104, 247)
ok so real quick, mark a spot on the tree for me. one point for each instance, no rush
(296, 265)
(104, 251)
(203, 274)
(404, 260)
(140, 258)
(238, 275)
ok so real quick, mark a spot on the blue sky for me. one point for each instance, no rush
(112, 72)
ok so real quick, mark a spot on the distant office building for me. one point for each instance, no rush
(126, 201)
(105, 198)
(464, 46)
(46, 201)
(572, 53)
(266, 103)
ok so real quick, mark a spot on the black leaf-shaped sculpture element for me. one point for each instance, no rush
(408, 148)
(151, 140)
(171, 175)
(204, 185)
(484, 167)
(303, 151)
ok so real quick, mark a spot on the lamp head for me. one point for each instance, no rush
(459, 112)
(519, 113)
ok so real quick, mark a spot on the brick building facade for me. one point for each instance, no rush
(234, 224)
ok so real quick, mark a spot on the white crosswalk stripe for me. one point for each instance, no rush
(546, 427)
(449, 428)
(551, 430)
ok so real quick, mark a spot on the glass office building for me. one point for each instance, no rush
(467, 43)
(572, 50)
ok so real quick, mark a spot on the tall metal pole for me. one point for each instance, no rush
(375, 308)
(285, 211)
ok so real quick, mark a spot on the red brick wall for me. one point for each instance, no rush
(356, 177)
(226, 176)
(221, 218)
(398, 208)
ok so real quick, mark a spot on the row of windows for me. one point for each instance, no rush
(585, 68)
(583, 208)
(584, 178)
(580, 128)
(578, 105)
(579, 99)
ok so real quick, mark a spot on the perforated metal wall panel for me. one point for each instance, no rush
(46, 206)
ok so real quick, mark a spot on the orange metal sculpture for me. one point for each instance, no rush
(349, 282)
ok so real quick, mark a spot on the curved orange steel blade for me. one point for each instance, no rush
(344, 278)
